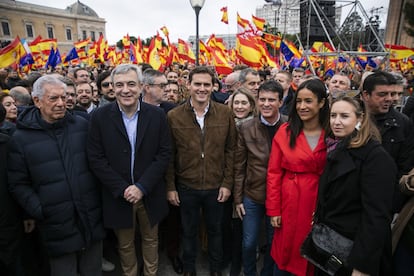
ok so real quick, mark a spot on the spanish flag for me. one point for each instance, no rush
(12, 53)
(399, 52)
(82, 43)
(225, 16)
(258, 22)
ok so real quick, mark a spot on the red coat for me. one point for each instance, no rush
(292, 187)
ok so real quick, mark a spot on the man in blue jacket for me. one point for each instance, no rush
(49, 177)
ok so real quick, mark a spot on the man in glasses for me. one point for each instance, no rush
(153, 89)
(105, 88)
(231, 82)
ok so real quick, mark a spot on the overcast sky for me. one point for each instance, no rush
(145, 17)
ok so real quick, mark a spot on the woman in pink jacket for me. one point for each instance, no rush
(296, 162)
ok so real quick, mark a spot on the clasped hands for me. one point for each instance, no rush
(223, 194)
(133, 194)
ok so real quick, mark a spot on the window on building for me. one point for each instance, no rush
(50, 32)
(93, 35)
(68, 34)
(29, 30)
(5, 28)
(83, 35)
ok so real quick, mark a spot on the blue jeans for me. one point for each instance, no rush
(251, 229)
(191, 201)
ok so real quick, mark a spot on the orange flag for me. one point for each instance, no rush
(225, 16)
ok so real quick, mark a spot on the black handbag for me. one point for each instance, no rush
(327, 249)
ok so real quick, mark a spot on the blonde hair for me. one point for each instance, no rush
(368, 130)
(247, 93)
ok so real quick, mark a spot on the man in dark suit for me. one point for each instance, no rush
(129, 150)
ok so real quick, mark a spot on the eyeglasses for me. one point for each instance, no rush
(160, 85)
(106, 84)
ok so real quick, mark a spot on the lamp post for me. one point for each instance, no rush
(276, 4)
(197, 5)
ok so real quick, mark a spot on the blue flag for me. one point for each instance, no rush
(26, 60)
(54, 58)
(286, 51)
(72, 55)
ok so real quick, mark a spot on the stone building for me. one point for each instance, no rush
(76, 22)
(394, 31)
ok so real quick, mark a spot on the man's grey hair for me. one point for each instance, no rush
(125, 68)
(245, 72)
(149, 75)
(38, 86)
(21, 95)
(399, 78)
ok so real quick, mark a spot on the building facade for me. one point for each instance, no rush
(394, 32)
(77, 22)
(285, 17)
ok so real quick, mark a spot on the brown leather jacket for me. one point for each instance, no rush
(201, 160)
(250, 159)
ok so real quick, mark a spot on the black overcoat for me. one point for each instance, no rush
(109, 154)
(355, 198)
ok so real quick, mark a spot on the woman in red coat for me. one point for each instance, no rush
(296, 162)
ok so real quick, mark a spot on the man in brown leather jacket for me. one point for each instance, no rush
(251, 158)
(200, 175)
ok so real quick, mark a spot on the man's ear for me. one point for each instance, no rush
(36, 101)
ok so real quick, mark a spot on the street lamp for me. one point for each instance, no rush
(197, 5)
(276, 4)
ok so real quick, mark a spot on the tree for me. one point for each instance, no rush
(409, 18)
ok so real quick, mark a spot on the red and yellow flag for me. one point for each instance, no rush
(82, 43)
(12, 53)
(398, 52)
(258, 22)
(248, 52)
(225, 15)
(154, 58)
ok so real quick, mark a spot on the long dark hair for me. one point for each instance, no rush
(317, 87)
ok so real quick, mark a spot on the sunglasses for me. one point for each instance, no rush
(106, 84)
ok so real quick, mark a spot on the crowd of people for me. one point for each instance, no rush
(243, 164)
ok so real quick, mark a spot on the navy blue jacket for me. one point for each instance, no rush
(50, 178)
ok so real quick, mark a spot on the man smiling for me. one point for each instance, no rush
(129, 150)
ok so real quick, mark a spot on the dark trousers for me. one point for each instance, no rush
(84, 262)
(192, 201)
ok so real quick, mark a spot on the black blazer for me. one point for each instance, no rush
(355, 198)
(109, 154)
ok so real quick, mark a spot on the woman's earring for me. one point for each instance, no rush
(358, 126)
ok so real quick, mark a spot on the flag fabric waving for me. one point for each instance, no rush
(225, 15)
(12, 53)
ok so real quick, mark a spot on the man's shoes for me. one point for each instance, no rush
(193, 273)
(177, 265)
(107, 266)
(215, 273)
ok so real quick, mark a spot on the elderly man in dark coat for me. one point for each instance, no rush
(50, 178)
